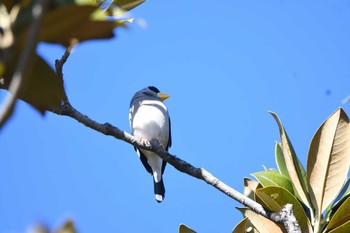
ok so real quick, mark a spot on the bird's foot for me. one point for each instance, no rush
(144, 141)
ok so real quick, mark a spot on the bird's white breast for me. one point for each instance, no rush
(150, 120)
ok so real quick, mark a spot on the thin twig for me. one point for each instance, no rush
(29, 49)
(59, 66)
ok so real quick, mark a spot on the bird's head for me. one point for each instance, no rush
(151, 93)
(154, 92)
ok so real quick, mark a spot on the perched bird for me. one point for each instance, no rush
(149, 118)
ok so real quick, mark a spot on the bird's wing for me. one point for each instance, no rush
(167, 147)
(144, 161)
(169, 140)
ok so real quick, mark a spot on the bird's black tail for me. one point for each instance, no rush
(159, 190)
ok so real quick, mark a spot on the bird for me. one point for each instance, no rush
(149, 118)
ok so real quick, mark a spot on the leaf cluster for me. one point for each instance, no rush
(319, 194)
(63, 22)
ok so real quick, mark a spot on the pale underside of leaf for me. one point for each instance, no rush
(241, 226)
(249, 187)
(262, 224)
(292, 163)
(328, 160)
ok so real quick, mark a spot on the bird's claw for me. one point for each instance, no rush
(144, 142)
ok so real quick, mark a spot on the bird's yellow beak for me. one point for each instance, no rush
(163, 96)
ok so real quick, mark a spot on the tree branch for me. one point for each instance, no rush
(29, 49)
(287, 218)
(200, 173)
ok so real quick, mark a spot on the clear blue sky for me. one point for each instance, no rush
(225, 64)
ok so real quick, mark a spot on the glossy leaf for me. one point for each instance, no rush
(345, 228)
(241, 226)
(56, 29)
(341, 216)
(281, 163)
(295, 170)
(282, 167)
(275, 198)
(267, 201)
(274, 178)
(328, 161)
(185, 229)
(262, 224)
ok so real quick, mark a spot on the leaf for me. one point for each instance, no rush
(277, 197)
(341, 216)
(41, 87)
(67, 227)
(128, 4)
(185, 229)
(294, 167)
(75, 22)
(345, 228)
(241, 226)
(274, 178)
(328, 160)
(267, 201)
(342, 196)
(8, 4)
(262, 224)
(249, 187)
(281, 163)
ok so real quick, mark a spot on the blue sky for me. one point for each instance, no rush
(224, 65)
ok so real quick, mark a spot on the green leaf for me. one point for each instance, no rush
(281, 163)
(276, 197)
(341, 216)
(75, 22)
(328, 161)
(274, 178)
(262, 224)
(345, 228)
(294, 167)
(266, 200)
(241, 226)
(185, 229)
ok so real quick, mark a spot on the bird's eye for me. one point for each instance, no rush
(148, 94)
